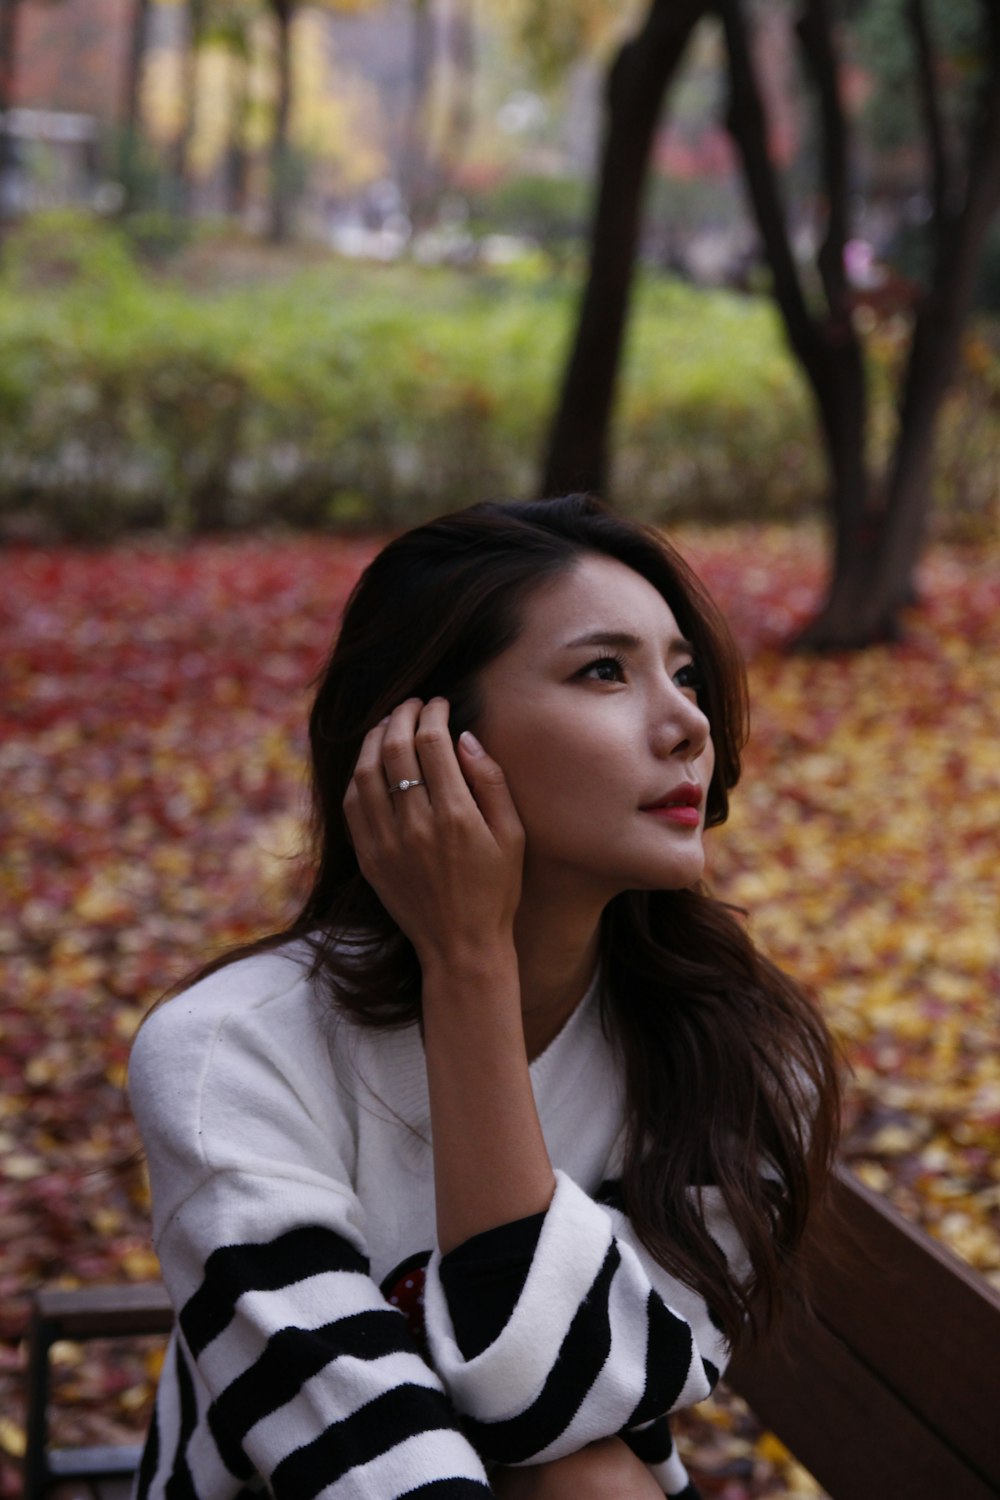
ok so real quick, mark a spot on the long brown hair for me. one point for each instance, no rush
(730, 1072)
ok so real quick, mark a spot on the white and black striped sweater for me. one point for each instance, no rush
(324, 1348)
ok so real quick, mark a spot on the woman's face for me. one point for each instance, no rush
(593, 715)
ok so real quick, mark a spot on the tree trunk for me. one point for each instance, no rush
(281, 186)
(236, 166)
(461, 51)
(826, 346)
(416, 164)
(936, 347)
(131, 109)
(189, 88)
(578, 448)
(9, 18)
(865, 602)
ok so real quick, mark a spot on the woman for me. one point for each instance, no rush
(488, 1161)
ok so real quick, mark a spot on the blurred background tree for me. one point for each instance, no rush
(9, 13)
(878, 521)
(10, 24)
(838, 158)
(131, 119)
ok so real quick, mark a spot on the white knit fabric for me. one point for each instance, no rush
(289, 1155)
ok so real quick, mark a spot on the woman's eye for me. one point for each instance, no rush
(605, 669)
(689, 678)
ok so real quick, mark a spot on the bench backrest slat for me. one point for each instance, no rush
(926, 1320)
(848, 1428)
(106, 1311)
(896, 1388)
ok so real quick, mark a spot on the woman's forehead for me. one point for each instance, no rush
(596, 595)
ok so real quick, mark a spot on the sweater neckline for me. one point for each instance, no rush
(553, 1072)
(551, 1075)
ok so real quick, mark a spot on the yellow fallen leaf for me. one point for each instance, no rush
(126, 1021)
(66, 1353)
(106, 1221)
(772, 1449)
(22, 1168)
(39, 1071)
(12, 1438)
(140, 1265)
(798, 1481)
(134, 1398)
(894, 1140)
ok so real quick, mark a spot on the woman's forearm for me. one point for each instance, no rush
(491, 1164)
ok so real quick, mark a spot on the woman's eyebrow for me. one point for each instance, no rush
(623, 640)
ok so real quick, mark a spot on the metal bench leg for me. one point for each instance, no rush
(41, 1337)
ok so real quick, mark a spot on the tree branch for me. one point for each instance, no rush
(637, 83)
(748, 127)
(937, 333)
(941, 172)
(814, 33)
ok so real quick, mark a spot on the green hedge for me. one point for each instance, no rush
(371, 395)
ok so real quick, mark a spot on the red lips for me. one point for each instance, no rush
(688, 794)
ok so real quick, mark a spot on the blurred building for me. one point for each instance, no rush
(71, 57)
(68, 83)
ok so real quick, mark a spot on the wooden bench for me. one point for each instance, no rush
(891, 1393)
(97, 1473)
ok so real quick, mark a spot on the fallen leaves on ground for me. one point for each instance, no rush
(151, 749)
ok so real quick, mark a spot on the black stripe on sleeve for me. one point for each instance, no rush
(180, 1485)
(483, 1279)
(292, 1357)
(449, 1489)
(150, 1459)
(234, 1269)
(669, 1349)
(580, 1360)
(375, 1428)
(653, 1444)
(610, 1194)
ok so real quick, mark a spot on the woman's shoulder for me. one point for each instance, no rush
(251, 1009)
(239, 986)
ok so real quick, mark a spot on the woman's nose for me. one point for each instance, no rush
(682, 727)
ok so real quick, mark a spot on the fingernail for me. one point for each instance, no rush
(385, 720)
(468, 742)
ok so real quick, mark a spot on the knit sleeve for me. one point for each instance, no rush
(601, 1341)
(288, 1365)
(483, 1279)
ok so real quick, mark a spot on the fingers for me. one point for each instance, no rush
(444, 857)
(388, 757)
(439, 766)
(366, 809)
(489, 787)
(414, 744)
(399, 758)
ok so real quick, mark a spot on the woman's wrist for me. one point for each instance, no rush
(491, 1165)
(467, 966)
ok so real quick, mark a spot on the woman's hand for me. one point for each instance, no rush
(445, 860)
(605, 1470)
(445, 857)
